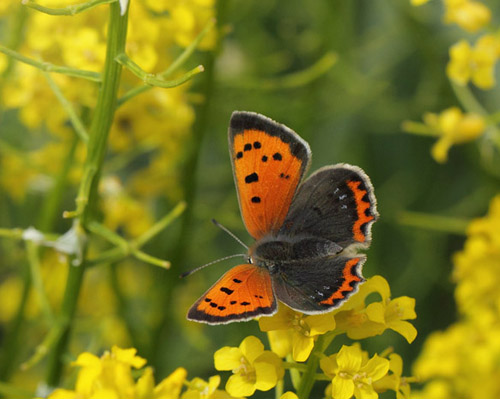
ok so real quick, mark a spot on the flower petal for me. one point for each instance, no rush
(404, 328)
(376, 312)
(342, 388)
(128, 356)
(251, 347)
(281, 342)
(228, 358)
(238, 386)
(268, 371)
(320, 324)
(329, 365)
(349, 358)
(282, 320)
(376, 368)
(302, 347)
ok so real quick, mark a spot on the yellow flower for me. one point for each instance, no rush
(110, 377)
(122, 211)
(477, 266)
(253, 367)
(353, 374)
(474, 63)
(304, 330)
(289, 395)
(469, 15)
(453, 127)
(361, 321)
(200, 389)
(394, 381)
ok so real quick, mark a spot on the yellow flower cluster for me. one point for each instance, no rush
(462, 361)
(112, 376)
(470, 15)
(476, 64)
(352, 373)
(140, 129)
(293, 336)
(453, 127)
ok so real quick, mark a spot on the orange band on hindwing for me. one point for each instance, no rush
(361, 207)
(349, 277)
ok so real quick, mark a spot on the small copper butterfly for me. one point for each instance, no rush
(307, 235)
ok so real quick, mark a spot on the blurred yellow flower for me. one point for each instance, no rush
(111, 376)
(477, 266)
(469, 15)
(353, 374)
(289, 395)
(462, 361)
(418, 2)
(453, 127)
(200, 389)
(123, 211)
(304, 330)
(395, 381)
(360, 321)
(253, 367)
(474, 63)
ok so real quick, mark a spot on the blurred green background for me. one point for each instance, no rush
(390, 67)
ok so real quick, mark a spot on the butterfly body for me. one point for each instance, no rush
(307, 235)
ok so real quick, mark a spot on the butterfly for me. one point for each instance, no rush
(307, 234)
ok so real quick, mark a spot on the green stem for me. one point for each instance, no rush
(13, 334)
(80, 130)
(308, 378)
(179, 62)
(433, 222)
(471, 104)
(16, 21)
(418, 128)
(294, 366)
(48, 67)
(87, 195)
(69, 10)
(294, 372)
(50, 206)
(467, 99)
(161, 224)
(292, 80)
(12, 233)
(36, 277)
(155, 80)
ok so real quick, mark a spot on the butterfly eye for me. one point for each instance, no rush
(250, 260)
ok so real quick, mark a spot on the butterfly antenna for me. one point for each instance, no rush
(188, 273)
(229, 232)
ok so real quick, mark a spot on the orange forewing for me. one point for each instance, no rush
(267, 175)
(244, 292)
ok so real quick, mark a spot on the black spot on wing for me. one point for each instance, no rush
(226, 290)
(252, 178)
(277, 156)
(256, 145)
(255, 200)
(247, 147)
